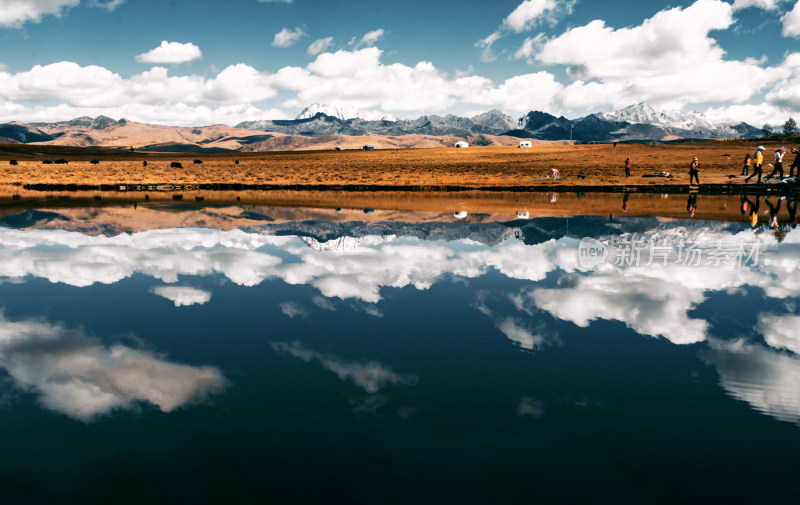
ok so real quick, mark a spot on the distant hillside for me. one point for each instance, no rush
(24, 133)
(323, 126)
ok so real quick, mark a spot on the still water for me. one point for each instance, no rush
(452, 360)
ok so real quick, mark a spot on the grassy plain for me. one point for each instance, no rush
(474, 167)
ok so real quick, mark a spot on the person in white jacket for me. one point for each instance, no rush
(778, 168)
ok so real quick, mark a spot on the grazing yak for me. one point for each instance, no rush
(13, 162)
(144, 163)
(95, 162)
(198, 162)
(175, 164)
(47, 162)
(61, 161)
(236, 162)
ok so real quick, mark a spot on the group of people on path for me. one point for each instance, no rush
(777, 168)
(756, 161)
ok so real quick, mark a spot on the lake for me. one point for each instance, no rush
(256, 354)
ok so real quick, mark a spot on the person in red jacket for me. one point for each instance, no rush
(628, 166)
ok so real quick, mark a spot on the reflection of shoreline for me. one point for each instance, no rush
(413, 206)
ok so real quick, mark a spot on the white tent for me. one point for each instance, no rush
(525, 143)
(460, 214)
(462, 144)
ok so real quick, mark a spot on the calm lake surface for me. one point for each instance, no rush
(262, 358)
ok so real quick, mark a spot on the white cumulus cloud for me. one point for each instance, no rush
(15, 13)
(761, 4)
(108, 5)
(368, 39)
(670, 58)
(524, 17)
(530, 12)
(288, 38)
(791, 22)
(171, 53)
(319, 45)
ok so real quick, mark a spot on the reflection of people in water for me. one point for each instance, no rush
(625, 202)
(553, 197)
(743, 203)
(791, 205)
(691, 204)
(773, 212)
(753, 211)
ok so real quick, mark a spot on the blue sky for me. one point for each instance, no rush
(199, 62)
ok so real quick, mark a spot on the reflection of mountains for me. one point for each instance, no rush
(317, 227)
(343, 235)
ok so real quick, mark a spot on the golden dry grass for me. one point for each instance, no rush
(476, 167)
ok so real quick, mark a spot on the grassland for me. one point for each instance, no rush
(475, 167)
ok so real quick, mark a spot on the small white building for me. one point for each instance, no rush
(523, 215)
(462, 144)
(525, 143)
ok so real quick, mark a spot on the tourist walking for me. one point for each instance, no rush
(694, 170)
(778, 168)
(758, 159)
(746, 167)
(628, 166)
(795, 163)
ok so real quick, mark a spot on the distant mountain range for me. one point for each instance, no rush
(322, 126)
(639, 122)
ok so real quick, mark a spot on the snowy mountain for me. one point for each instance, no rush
(342, 112)
(495, 120)
(690, 123)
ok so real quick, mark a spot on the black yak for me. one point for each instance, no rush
(175, 164)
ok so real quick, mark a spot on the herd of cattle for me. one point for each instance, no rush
(174, 164)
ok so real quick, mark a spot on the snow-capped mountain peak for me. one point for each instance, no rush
(342, 112)
(691, 121)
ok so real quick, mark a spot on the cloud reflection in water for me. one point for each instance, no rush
(77, 375)
(653, 300)
(371, 375)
